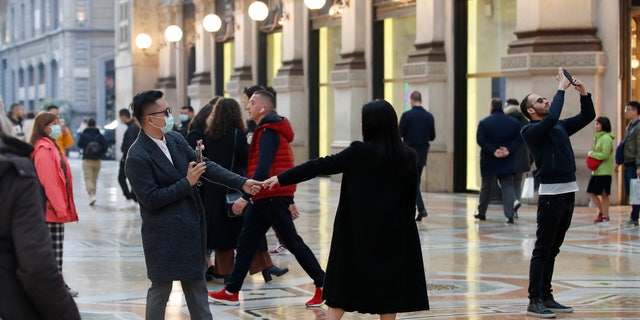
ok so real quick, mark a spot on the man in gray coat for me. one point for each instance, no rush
(163, 172)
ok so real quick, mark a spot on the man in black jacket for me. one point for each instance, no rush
(548, 140)
(32, 287)
(417, 129)
(93, 146)
(130, 136)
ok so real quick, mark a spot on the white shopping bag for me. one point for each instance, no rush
(634, 191)
(527, 189)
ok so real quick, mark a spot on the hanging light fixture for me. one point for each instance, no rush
(143, 41)
(173, 33)
(212, 23)
(314, 4)
(258, 11)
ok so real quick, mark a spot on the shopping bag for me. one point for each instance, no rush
(634, 191)
(527, 189)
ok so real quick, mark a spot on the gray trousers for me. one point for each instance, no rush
(195, 293)
(508, 195)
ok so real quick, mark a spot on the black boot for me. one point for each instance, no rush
(273, 270)
(421, 214)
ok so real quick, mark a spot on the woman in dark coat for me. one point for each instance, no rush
(375, 214)
(225, 143)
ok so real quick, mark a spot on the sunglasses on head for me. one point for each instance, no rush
(166, 112)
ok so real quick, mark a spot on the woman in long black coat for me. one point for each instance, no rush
(375, 214)
(225, 143)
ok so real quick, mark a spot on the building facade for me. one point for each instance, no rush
(59, 52)
(325, 63)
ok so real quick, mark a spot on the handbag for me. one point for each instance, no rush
(231, 197)
(528, 188)
(634, 191)
(592, 163)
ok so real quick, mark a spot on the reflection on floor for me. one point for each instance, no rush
(474, 270)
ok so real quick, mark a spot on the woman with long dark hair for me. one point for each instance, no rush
(225, 143)
(599, 186)
(54, 174)
(375, 214)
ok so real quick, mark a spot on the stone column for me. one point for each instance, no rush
(425, 72)
(245, 46)
(200, 90)
(290, 80)
(169, 57)
(349, 77)
(546, 40)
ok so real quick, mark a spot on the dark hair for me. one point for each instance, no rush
(30, 115)
(524, 106)
(124, 112)
(214, 100)
(496, 103)
(142, 101)
(226, 116)
(380, 128)
(513, 102)
(91, 122)
(41, 121)
(14, 106)
(53, 106)
(200, 120)
(634, 104)
(190, 108)
(269, 98)
(605, 123)
(416, 96)
(249, 91)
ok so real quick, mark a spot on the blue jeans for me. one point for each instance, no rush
(553, 218)
(630, 173)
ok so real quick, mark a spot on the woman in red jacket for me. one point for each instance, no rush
(54, 174)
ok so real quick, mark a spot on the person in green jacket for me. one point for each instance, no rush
(600, 182)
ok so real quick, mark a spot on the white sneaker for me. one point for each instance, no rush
(92, 200)
(280, 249)
(516, 205)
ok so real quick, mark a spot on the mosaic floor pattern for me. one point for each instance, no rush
(474, 269)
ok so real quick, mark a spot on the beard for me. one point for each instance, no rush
(542, 112)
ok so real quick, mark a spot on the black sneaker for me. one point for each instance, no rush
(510, 221)
(537, 309)
(479, 216)
(554, 306)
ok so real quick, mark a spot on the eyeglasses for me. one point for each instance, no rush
(166, 112)
(539, 100)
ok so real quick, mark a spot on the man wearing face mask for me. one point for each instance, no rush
(163, 171)
(186, 115)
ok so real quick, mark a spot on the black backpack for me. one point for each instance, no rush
(93, 150)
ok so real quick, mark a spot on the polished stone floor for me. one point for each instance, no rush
(474, 270)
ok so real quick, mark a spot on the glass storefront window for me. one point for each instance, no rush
(228, 50)
(399, 37)
(330, 46)
(491, 27)
(274, 55)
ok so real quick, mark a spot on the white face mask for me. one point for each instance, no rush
(56, 131)
(168, 120)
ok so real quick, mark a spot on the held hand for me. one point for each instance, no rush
(252, 186)
(270, 183)
(615, 169)
(294, 211)
(194, 172)
(238, 206)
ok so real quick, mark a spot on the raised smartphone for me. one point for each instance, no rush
(198, 150)
(568, 76)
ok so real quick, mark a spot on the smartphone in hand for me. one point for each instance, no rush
(198, 149)
(568, 76)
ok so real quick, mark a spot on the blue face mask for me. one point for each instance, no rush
(168, 124)
(184, 118)
(56, 131)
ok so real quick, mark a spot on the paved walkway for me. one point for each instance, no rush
(474, 270)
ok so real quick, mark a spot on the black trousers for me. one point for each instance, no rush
(265, 213)
(122, 180)
(554, 218)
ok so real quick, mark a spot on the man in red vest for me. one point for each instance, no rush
(269, 154)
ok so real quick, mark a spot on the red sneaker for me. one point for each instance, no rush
(317, 300)
(599, 219)
(222, 297)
